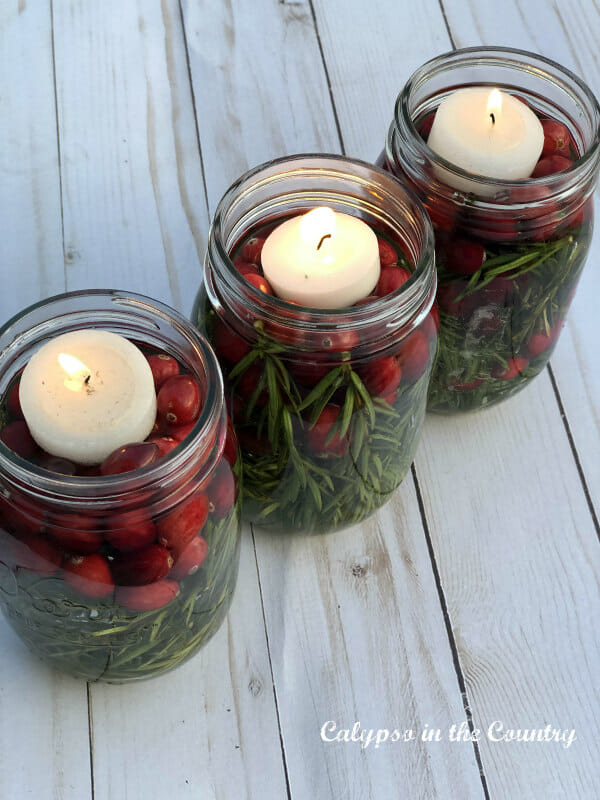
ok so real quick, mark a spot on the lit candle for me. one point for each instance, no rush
(322, 259)
(486, 132)
(86, 393)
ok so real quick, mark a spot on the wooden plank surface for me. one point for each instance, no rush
(44, 743)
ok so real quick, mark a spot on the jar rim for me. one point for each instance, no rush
(330, 166)
(103, 488)
(587, 162)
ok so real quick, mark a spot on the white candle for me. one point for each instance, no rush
(322, 259)
(86, 393)
(486, 132)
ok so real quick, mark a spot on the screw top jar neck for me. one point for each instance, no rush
(293, 186)
(143, 321)
(549, 88)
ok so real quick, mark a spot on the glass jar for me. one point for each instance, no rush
(327, 404)
(64, 539)
(508, 253)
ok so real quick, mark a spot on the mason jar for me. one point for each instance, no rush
(327, 403)
(124, 576)
(509, 254)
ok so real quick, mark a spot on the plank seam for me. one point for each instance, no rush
(58, 153)
(453, 648)
(91, 741)
(338, 127)
(193, 96)
(447, 24)
(262, 607)
(575, 454)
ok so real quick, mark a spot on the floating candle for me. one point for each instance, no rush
(85, 393)
(322, 259)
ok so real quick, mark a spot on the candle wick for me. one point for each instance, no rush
(87, 380)
(327, 236)
(493, 118)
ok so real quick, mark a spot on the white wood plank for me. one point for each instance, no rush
(44, 744)
(31, 255)
(133, 197)
(259, 86)
(357, 635)
(511, 531)
(519, 561)
(206, 730)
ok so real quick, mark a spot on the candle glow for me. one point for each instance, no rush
(78, 374)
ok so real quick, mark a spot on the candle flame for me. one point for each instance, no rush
(494, 105)
(79, 374)
(318, 227)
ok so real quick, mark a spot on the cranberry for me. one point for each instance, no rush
(252, 249)
(89, 575)
(391, 279)
(550, 165)
(129, 457)
(165, 443)
(382, 376)
(319, 432)
(442, 214)
(464, 257)
(448, 302)
(431, 323)
(309, 373)
(539, 343)
(56, 464)
(147, 598)
(228, 344)
(515, 366)
(221, 491)
(230, 449)
(468, 386)
(163, 366)
(248, 383)
(178, 527)
(244, 267)
(259, 282)
(366, 300)
(179, 432)
(143, 566)
(557, 139)
(414, 356)
(179, 400)
(16, 437)
(21, 514)
(130, 530)
(388, 257)
(191, 559)
(76, 533)
(425, 125)
(13, 402)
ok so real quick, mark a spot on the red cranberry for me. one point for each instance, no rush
(550, 165)
(447, 298)
(143, 566)
(17, 438)
(414, 356)
(388, 256)
(76, 533)
(163, 366)
(309, 373)
(22, 515)
(179, 432)
(464, 257)
(244, 267)
(89, 575)
(382, 376)
(252, 249)
(179, 400)
(130, 530)
(539, 343)
(228, 344)
(366, 300)
(468, 386)
(177, 528)
(515, 366)
(425, 125)
(259, 282)
(35, 553)
(165, 443)
(390, 279)
(56, 464)
(191, 559)
(147, 598)
(431, 324)
(557, 139)
(230, 450)
(129, 457)
(221, 491)
(13, 402)
(248, 383)
(319, 432)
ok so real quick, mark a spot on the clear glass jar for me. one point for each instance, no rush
(508, 254)
(327, 404)
(71, 584)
